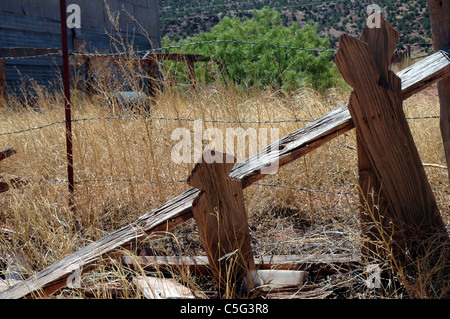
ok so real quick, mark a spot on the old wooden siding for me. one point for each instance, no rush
(28, 23)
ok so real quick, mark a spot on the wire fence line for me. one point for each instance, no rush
(179, 119)
(114, 180)
(101, 180)
(147, 53)
(98, 180)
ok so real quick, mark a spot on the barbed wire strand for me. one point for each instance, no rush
(179, 119)
(57, 180)
(184, 181)
(148, 52)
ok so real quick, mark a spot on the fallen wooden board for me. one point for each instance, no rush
(318, 264)
(5, 284)
(179, 208)
(162, 288)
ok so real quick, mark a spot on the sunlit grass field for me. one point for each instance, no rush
(124, 168)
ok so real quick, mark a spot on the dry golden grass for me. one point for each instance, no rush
(282, 220)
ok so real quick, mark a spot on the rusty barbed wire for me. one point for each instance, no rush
(148, 52)
(181, 120)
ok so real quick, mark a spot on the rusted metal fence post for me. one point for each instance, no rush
(3, 83)
(89, 78)
(67, 103)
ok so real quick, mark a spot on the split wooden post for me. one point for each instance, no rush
(222, 221)
(440, 29)
(376, 110)
(381, 41)
(3, 83)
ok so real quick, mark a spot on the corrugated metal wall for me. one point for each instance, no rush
(32, 23)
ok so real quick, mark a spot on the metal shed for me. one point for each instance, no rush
(36, 24)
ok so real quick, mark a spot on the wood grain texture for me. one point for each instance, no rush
(223, 224)
(179, 209)
(382, 127)
(374, 206)
(425, 73)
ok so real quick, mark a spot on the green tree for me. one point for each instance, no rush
(263, 66)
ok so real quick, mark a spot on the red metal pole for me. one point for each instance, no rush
(68, 108)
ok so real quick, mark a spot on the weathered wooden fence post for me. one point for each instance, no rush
(440, 28)
(222, 222)
(374, 206)
(376, 109)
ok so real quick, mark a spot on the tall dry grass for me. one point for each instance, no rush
(115, 158)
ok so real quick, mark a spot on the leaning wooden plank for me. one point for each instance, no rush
(55, 276)
(387, 137)
(293, 146)
(5, 284)
(290, 147)
(424, 73)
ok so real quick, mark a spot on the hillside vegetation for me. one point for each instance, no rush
(181, 19)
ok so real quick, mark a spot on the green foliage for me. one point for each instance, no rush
(264, 66)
